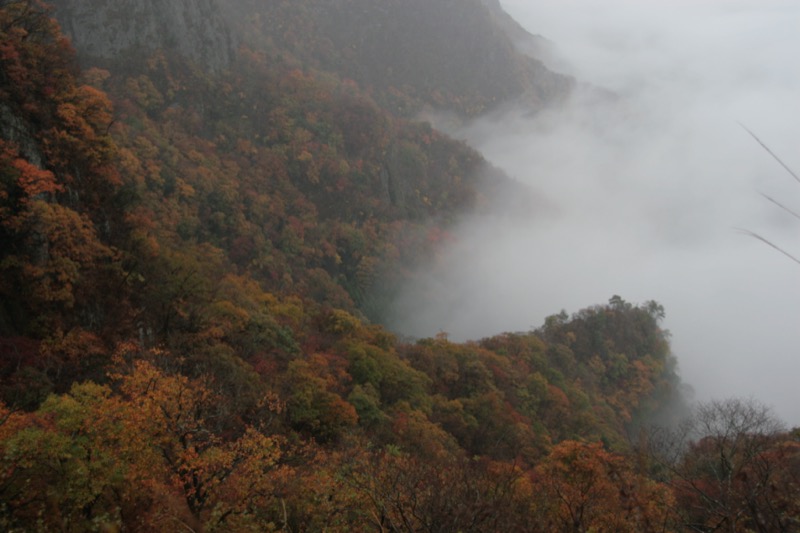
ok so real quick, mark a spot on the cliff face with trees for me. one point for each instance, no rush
(452, 55)
(191, 243)
(449, 54)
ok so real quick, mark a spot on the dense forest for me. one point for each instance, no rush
(203, 219)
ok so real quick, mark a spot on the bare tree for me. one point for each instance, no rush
(726, 463)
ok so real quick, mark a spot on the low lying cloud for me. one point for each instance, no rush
(648, 189)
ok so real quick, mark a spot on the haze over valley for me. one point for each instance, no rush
(397, 265)
(644, 192)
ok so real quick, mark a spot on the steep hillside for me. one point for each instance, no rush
(296, 181)
(456, 55)
(186, 258)
(450, 54)
(294, 173)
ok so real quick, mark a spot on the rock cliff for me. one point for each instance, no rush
(125, 29)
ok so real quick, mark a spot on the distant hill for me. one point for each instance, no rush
(462, 55)
(452, 54)
(195, 245)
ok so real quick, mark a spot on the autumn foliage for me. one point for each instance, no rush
(187, 267)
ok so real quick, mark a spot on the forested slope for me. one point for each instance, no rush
(454, 55)
(188, 255)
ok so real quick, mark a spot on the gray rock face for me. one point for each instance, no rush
(120, 29)
(15, 129)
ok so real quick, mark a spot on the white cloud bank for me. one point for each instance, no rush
(648, 191)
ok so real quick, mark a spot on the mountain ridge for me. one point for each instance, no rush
(463, 57)
(185, 276)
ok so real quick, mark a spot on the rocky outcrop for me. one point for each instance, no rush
(124, 29)
(15, 129)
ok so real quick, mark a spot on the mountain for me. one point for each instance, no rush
(195, 231)
(344, 161)
(459, 55)
(446, 53)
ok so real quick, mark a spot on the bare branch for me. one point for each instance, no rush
(776, 202)
(770, 152)
(769, 243)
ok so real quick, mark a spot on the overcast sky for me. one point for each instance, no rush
(646, 193)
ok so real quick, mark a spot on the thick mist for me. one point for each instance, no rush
(645, 192)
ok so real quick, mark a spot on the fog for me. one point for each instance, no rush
(644, 195)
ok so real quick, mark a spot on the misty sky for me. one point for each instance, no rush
(642, 196)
